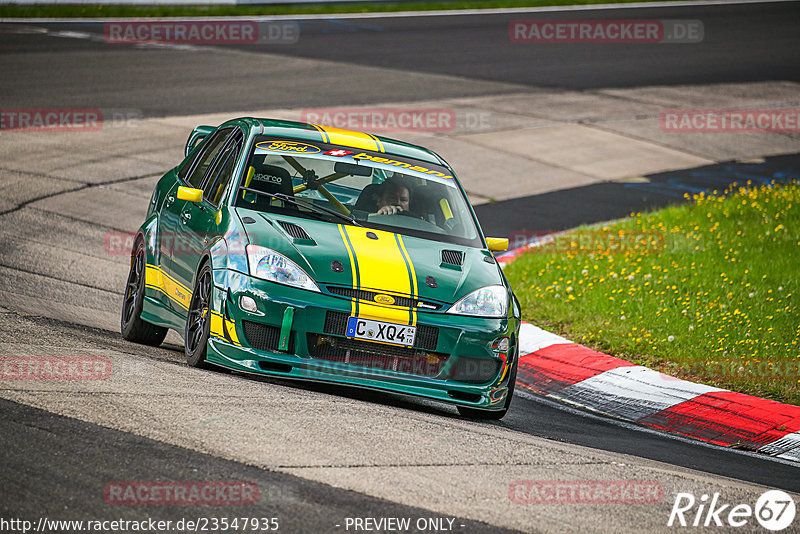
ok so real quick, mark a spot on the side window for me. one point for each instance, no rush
(187, 163)
(222, 172)
(206, 157)
(186, 166)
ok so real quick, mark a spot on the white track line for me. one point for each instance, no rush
(438, 13)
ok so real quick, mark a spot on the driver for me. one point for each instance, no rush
(394, 198)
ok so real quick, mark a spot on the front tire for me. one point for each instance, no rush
(132, 326)
(198, 320)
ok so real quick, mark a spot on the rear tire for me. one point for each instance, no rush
(493, 415)
(132, 326)
(198, 320)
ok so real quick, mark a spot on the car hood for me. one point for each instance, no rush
(374, 260)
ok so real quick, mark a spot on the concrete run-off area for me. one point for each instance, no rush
(64, 192)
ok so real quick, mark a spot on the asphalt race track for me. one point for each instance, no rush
(318, 454)
(467, 55)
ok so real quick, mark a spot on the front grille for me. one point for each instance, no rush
(362, 294)
(426, 339)
(264, 337)
(294, 230)
(335, 323)
(376, 356)
(474, 370)
(453, 257)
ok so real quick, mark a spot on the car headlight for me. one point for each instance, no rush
(489, 301)
(269, 265)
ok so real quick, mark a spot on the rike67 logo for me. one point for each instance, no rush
(774, 510)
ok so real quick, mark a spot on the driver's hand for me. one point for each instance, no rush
(390, 210)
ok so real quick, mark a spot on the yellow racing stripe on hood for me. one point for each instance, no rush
(411, 273)
(380, 265)
(353, 268)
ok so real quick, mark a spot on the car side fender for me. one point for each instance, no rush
(217, 257)
(148, 231)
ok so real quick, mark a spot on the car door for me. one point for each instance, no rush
(174, 216)
(163, 201)
(199, 220)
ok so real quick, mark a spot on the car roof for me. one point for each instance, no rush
(304, 131)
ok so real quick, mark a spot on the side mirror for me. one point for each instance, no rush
(190, 194)
(497, 244)
(196, 137)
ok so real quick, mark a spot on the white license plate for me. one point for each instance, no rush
(369, 330)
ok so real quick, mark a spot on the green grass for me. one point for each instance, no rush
(109, 11)
(706, 291)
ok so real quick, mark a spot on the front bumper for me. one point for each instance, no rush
(453, 359)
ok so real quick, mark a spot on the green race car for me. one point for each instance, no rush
(305, 251)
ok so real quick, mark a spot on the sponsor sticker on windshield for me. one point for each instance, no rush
(338, 153)
(291, 147)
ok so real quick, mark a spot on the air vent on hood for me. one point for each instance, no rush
(295, 231)
(453, 258)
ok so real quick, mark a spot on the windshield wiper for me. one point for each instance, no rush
(306, 204)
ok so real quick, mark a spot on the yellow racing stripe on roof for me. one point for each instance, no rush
(350, 138)
(380, 145)
(325, 138)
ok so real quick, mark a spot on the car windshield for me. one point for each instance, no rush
(353, 186)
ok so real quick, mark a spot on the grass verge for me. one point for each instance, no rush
(706, 291)
(134, 11)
